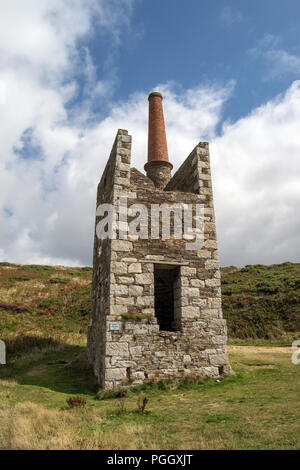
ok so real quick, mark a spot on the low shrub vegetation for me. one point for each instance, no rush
(76, 402)
(262, 302)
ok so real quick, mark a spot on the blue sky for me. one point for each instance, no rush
(206, 41)
(74, 71)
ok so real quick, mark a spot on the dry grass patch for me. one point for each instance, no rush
(254, 350)
(28, 426)
(80, 281)
(8, 295)
(8, 383)
(31, 426)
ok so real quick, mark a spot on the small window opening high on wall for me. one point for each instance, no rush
(166, 281)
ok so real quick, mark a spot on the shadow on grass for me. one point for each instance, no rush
(48, 363)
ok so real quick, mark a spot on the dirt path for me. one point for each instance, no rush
(260, 349)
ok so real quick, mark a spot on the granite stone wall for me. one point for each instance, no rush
(126, 343)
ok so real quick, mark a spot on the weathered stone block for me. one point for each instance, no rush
(187, 359)
(210, 244)
(119, 267)
(197, 283)
(190, 291)
(125, 280)
(212, 282)
(184, 282)
(190, 311)
(122, 181)
(214, 303)
(149, 267)
(155, 257)
(186, 271)
(125, 300)
(143, 279)
(116, 374)
(121, 290)
(121, 245)
(118, 309)
(202, 303)
(117, 349)
(218, 359)
(219, 339)
(135, 268)
(136, 350)
(211, 264)
(135, 291)
(145, 301)
(139, 375)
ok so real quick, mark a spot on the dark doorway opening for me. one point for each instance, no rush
(165, 280)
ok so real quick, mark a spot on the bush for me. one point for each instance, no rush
(142, 403)
(20, 279)
(163, 385)
(294, 283)
(189, 380)
(268, 287)
(59, 280)
(37, 268)
(76, 402)
(230, 290)
(50, 302)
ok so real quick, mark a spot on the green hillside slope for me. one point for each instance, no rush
(262, 302)
(42, 304)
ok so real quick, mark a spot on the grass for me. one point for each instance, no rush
(254, 408)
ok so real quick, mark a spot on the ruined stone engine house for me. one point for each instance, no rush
(156, 306)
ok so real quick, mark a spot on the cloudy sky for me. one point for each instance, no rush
(74, 71)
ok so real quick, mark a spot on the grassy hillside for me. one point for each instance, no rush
(262, 302)
(43, 305)
(40, 305)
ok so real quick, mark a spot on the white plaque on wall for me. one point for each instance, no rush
(115, 327)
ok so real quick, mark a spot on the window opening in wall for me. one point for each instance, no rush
(165, 283)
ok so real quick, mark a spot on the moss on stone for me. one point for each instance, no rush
(133, 316)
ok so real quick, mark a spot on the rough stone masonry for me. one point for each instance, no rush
(156, 306)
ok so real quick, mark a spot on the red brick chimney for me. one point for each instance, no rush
(158, 167)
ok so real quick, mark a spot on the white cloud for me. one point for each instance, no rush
(280, 63)
(256, 170)
(42, 53)
(229, 16)
(47, 204)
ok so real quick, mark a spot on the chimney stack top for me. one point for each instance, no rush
(155, 93)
